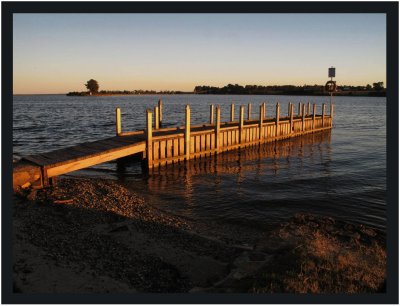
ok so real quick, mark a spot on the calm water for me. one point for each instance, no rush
(341, 174)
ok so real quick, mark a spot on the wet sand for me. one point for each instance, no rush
(94, 235)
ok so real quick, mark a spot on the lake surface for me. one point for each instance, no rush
(341, 173)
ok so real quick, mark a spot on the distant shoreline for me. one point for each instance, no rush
(86, 94)
(350, 94)
(344, 94)
(377, 90)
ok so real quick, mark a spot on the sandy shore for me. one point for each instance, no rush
(91, 235)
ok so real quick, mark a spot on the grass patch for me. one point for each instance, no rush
(321, 255)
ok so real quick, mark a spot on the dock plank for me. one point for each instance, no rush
(56, 157)
(89, 161)
(85, 150)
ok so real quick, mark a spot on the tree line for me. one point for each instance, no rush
(376, 89)
(237, 89)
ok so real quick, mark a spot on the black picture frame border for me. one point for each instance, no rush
(389, 8)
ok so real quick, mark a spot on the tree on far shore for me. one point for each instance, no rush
(92, 86)
(378, 86)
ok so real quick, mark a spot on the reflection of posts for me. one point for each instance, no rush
(249, 160)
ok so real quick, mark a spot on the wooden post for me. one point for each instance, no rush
(323, 114)
(118, 121)
(313, 115)
(331, 113)
(299, 112)
(149, 139)
(265, 109)
(187, 132)
(156, 118)
(232, 112)
(241, 124)
(212, 114)
(308, 109)
(249, 111)
(277, 119)
(217, 127)
(288, 109)
(160, 112)
(291, 117)
(303, 117)
(261, 135)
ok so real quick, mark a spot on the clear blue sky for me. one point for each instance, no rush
(57, 53)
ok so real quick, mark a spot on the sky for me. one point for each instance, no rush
(58, 53)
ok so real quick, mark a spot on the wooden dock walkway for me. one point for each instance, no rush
(162, 146)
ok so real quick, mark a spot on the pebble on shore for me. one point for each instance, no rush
(94, 235)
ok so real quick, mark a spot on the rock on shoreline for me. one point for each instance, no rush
(91, 235)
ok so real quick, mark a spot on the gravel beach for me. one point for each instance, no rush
(95, 235)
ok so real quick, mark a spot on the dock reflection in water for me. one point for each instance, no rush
(248, 160)
(263, 184)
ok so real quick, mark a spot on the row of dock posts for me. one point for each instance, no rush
(181, 147)
(158, 113)
(157, 121)
(232, 117)
(301, 110)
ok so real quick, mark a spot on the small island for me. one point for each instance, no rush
(93, 90)
(376, 90)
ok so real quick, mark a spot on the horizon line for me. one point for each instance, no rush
(44, 93)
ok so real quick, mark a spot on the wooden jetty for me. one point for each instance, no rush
(163, 146)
